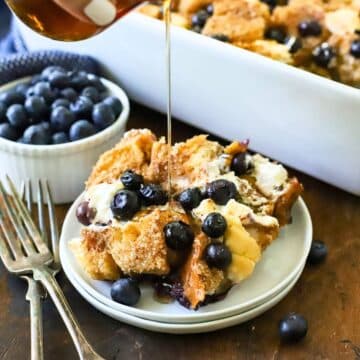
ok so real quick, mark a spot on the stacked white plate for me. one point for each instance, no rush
(275, 275)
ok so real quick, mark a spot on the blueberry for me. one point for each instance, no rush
(82, 107)
(2, 112)
(84, 213)
(221, 191)
(292, 328)
(214, 225)
(81, 129)
(125, 205)
(17, 116)
(190, 198)
(276, 34)
(178, 235)
(35, 79)
(79, 80)
(125, 291)
(37, 134)
(309, 28)
(221, 37)
(293, 43)
(43, 89)
(132, 180)
(59, 138)
(323, 54)
(92, 93)
(200, 18)
(115, 104)
(96, 82)
(318, 253)
(59, 79)
(239, 164)
(36, 107)
(22, 88)
(8, 132)
(153, 194)
(12, 97)
(61, 102)
(210, 9)
(48, 71)
(355, 48)
(218, 256)
(69, 94)
(271, 3)
(102, 116)
(61, 118)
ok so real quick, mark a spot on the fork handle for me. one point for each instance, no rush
(84, 349)
(33, 295)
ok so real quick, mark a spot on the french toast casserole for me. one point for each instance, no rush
(227, 206)
(321, 36)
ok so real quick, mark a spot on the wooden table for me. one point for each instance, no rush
(328, 295)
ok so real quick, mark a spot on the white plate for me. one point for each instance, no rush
(175, 328)
(279, 265)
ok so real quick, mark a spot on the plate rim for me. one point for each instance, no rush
(199, 317)
(187, 328)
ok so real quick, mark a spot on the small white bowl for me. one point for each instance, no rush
(65, 166)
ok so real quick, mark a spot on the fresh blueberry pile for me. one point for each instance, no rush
(56, 107)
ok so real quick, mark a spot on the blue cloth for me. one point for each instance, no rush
(17, 62)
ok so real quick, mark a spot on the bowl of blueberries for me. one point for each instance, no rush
(55, 125)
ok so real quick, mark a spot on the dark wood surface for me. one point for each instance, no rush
(328, 295)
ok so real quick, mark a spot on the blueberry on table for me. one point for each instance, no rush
(12, 97)
(59, 138)
(221, 37)
(81, 129)
(69, 94)
(61, 102)
(153, 194)
(36, 107)
(200, 18)
(102, 116)
(318, 253)
(125, 291)
(178, 235)
(115, 104)
(125, 205)
(190, 198)
(84, 213)
(131, 180)
(17, 116)
(92, 93)
(61, 118)
(276, 34)
(239, 164)
(59, 79)
(96, 82)
(8, 132)
(214, 225)
(37, 134)
(218, 256)
(82, 107)
(355, 48)
(323, 54)
(221, 191)
(309, 28)
(292, 328)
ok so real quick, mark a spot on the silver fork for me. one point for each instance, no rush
(27, 253)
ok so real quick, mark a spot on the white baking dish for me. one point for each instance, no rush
(303, 120)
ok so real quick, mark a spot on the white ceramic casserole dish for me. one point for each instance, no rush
(305, 121)
(65, 166)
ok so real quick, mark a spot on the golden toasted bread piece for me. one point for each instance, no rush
(141, 246)
(92, 253)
